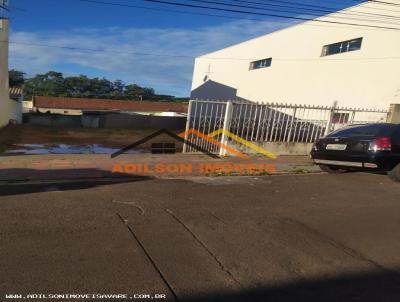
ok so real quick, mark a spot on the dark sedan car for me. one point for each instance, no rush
(360, 147)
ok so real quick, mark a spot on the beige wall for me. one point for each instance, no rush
(369, 77)
(9, 109)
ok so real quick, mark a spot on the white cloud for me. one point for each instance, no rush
(170, 75)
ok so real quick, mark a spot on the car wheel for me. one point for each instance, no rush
(332, 169)
(395, 173)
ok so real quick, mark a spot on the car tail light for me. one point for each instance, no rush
(381, 144)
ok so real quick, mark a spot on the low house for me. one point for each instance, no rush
(78, 106)
(103, 113)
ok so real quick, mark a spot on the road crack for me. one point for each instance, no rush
(220, 264)
(132, 204)
(348, 250)
(153, 263)
(215, 216)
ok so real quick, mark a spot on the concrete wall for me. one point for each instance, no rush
(368, 78)
(278, 148)
(9, 109)
(110, 120)
(121, 120)
(90, 121)
(53, 120)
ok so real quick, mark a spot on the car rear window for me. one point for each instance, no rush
(364, 130)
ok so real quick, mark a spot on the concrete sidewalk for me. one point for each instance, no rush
(89, 166)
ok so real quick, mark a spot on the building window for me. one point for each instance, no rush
(340, 47)
(261, 64)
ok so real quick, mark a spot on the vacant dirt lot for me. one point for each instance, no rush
(29, 134)
(282, 238)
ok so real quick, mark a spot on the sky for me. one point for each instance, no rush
(147, 47)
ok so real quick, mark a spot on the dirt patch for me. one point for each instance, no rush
(12, 136)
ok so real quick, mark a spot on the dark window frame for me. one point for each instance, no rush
(259, 64)
(343, 46)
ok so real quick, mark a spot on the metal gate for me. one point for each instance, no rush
(268, 122)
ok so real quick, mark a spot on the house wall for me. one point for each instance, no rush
(27, 106)
(9, 109)
(369, 77)
(58, 111)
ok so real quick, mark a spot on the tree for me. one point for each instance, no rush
(55, 84)
(134, 92)
(77, 86)
(48, 84)
(118, 90)
(16, 78)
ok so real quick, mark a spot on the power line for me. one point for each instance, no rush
(4, 7)
(9, 8)
(85, 50)
(206, 14)
(179, 12)
(18, 8)
(286, 2)
(97, 50)
(378, 2)
(307, 13)
(167, 10)
(363, 2)
(383, 2)
(269, 15)
(317, 8)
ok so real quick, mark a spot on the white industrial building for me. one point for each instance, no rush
(10, 109)
(313, 63)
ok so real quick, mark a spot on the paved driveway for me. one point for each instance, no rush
(284, 238)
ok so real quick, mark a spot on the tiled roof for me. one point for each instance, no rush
(103, 104)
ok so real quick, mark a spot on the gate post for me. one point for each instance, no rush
(394, 114)
(226, 127)
(330, 118)
(289, 137)
(187, 126)
(353, 115)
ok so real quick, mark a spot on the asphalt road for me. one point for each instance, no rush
(282, 238)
